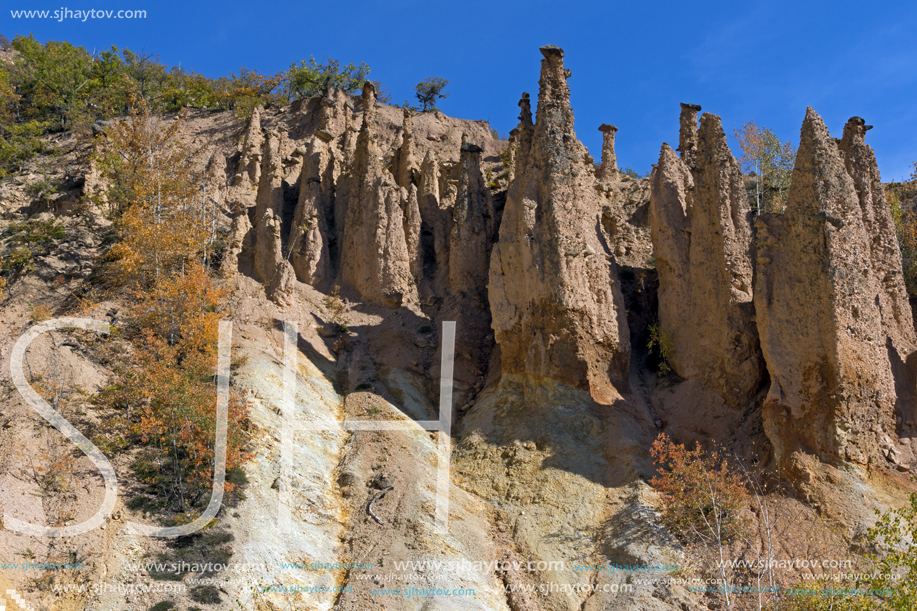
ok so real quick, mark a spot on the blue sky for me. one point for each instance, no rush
(632, 62)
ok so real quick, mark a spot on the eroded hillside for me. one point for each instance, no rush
(352, 234)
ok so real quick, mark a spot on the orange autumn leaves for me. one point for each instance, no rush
(157, 196)
(702, 494)
(157, 193)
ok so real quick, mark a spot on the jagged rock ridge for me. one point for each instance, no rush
(555, 297)
(829, 306)
(702, 243)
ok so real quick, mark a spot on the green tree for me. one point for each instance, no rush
(772, 163)
(905, 217)
(895, 573)
(53, 76)
(307, 79)
(146, 71)
(430, 90)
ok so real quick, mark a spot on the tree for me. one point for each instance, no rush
(310, 79)
(702, 498)
(770, 161)
(158, 198)
(430, 90)
(895, 573)
(146, 71)
(53, 76)
(905, 217)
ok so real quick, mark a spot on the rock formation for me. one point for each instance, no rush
(826, 314)
(885, 256)
(555, 299)
(435, 220)
(236, 243)
(404, 173)
(374, 250)
(702, 242)
(609, 160)
(268, 211)
(270, 184)
(268, 248)
(250, 163)
(310, 238)
(687, 133)
(523, 136)
(469, 240)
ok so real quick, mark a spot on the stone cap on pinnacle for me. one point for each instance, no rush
(690, 106)
(605, 127)
(550, 51)
(861, 122)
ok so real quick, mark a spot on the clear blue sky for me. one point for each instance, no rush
(632, 62)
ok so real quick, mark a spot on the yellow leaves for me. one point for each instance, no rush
(158, 195)
(772, 163)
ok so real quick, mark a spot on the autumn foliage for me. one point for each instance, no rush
(771, 162)
(702, 495)
(158, 197)
(166, 221)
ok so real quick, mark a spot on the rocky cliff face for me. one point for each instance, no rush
(555, 296)
(374, 250)
(551, 460)
(702, 242)
(829, 327)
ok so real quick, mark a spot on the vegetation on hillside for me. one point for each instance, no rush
(902, 199)
(770, 163)
(56, 86)
(735, 525)
(167, 228)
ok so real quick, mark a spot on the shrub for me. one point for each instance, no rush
(336, 308)
(209, 595)
(702, 495)
(895, 571)
(308, 79)
(171, 384)
(662, 344)
(19, 143)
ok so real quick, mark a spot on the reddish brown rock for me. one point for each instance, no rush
(555, 299)
(374, 250)
(609, 159)
(819, 300)
(687, 133)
